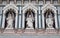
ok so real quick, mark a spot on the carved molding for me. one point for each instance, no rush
(49, 6)
(29, 6)
(10, 6)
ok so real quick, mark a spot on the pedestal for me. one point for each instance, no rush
(50, 28)
(29, 28)
(51, 31)
(29, 31)
(9, 28)
(9, 31)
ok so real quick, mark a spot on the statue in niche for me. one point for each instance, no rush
(30, 20)
(10, 20)
(49, 20)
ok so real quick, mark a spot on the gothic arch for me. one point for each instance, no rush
(53, 9)
(46, 16)
(33, 8)
(10, 6)
(6, 9)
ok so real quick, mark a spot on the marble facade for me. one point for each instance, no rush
(30, 18)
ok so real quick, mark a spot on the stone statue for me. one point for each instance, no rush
(10, 19)
(30, 21)
(49, 21)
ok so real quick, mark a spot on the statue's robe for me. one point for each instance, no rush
(49, 22)
(9, 22)
(29, 22)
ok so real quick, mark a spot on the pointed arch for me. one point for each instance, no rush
(33, 8)
(53, 9)
(10, 7)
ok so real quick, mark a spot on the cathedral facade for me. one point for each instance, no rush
(30, 16)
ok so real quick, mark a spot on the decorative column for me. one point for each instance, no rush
(43, 25)
(36, 20)
(23, 21)
(20, 21)
(56, 24)
(3, 21)
(39, 9)
(16, 18)
(20, 18)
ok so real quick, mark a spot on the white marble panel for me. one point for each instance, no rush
(39, 21)
(59, 21)
(0, 20)
(58, 10)
(20, 21)
(0, 10)
(39, 10)
(20, 10)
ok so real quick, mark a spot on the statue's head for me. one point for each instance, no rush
(50, 16)
(9, 14)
